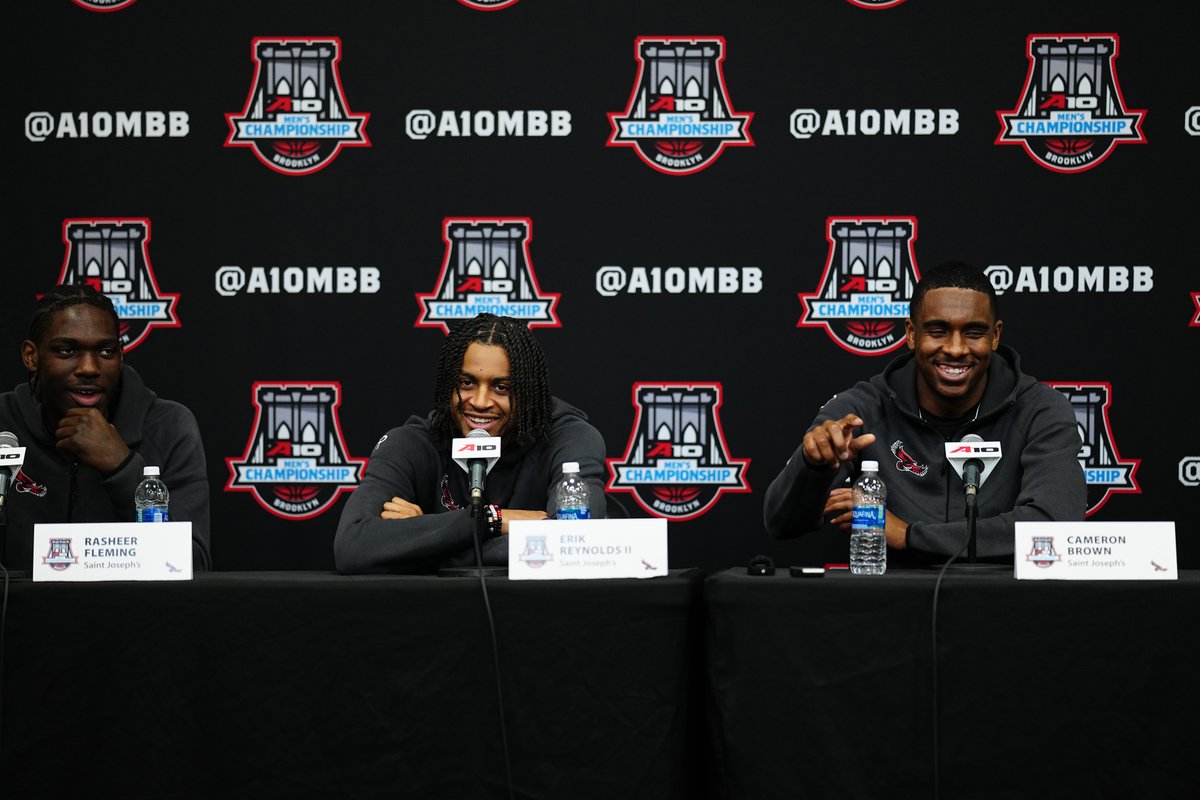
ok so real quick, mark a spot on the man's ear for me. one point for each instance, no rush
(29, 355)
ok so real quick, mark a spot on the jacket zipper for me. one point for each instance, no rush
(73, 490)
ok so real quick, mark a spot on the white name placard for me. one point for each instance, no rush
(567, 549)
(1095, 551)
(112, 551)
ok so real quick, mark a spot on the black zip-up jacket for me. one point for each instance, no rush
(1038, 476)
(53, 488)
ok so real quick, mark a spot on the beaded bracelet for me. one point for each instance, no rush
(493, 519)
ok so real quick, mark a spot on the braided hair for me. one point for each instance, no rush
(527, 366)
(65, 296)
(953, 275)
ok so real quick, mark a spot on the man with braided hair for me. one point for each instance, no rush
(411, 513)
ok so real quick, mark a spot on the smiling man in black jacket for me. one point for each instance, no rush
(89, 425)
(411, 513)
(957, 379)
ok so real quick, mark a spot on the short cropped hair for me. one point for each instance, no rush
(953, 275)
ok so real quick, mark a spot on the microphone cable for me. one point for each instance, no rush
(937, 588)
(477, 513)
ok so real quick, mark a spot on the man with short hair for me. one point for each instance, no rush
(90, 425)
(411, 513)
(957, 380)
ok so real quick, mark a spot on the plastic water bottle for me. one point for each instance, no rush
(572, 496)
(868, 543)
(150, 499)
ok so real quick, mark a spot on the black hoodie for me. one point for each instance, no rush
(1037, 478)
(52, 487)
(407, 463)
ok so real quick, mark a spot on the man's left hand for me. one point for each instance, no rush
(840, 504)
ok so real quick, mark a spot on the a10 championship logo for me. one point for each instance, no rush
(296, 118)
(104, 5)
(1103, 468)
(679, 117)
(487, 268)
(869, 277)
(296, 461)
(875, 3)
(112, 256)
(676, 463)
(61, 555)
(1071, 114)
(488, 5)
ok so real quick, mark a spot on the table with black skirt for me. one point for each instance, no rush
(824, 687)
(312, 684)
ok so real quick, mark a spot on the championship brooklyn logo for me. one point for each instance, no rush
(60, 556)
(112, 256)
(1042, 553)
(296, 118)
(1071, 114)
(679, 117)
(487, 268)
(104, 5)
(676, 464)
(488, 5)
(1103, 468)
(875, 3)
(869, 277)
(296, 461)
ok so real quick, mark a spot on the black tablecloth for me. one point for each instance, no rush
(302, 685)
(306, 685)
(823, 687)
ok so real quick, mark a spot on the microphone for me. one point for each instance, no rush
(11, 458)
(973, 459)
(476, 453)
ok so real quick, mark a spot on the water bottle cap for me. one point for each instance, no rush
(870, 466)
(570, 466)
(150, 471)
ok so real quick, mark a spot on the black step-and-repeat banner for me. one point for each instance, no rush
(712, 213)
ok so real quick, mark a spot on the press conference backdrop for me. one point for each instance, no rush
(712, 213)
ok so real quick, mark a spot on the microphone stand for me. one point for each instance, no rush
(478, 515)
(972, 515)
(971, 563)
(480, 527)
